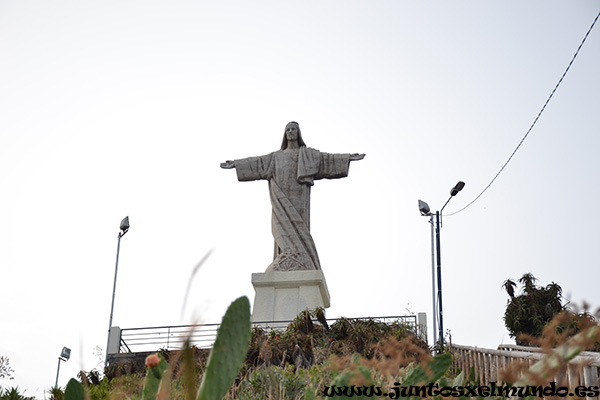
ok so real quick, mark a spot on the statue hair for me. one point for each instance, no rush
(284, 144)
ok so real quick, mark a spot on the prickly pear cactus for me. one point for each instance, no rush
(157, 369)
(74, 390)
(228, 353)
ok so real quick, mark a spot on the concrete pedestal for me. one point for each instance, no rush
(281, 296)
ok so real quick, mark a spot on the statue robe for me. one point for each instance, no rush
(291, 173)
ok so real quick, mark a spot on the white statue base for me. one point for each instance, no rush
(281, 296)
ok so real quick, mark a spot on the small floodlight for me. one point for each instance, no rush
(457, 188)
(65, 353)
(424, 208)
(125, 225)
(64, 356)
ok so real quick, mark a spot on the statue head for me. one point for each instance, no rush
(289, 134)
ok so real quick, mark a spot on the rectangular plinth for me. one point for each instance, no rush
(281, 296)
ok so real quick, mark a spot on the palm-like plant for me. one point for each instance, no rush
(509, 285)
(554, 289)
(56, 393)
(528, 281)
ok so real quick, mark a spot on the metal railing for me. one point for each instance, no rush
(204, 335)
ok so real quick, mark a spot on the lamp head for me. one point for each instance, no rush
(124, 226)
(457, 188)
(424, 208)
(65, 354)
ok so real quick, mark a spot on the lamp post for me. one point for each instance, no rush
(425, 211)
(65, 354)
(437, 297)
(124, 227)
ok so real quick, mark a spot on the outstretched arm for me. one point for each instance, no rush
(353, 157)
(252, 168)
(228, 164)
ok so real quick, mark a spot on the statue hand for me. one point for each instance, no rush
(228, 164)
(356, 157)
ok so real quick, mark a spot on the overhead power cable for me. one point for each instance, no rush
(534, 122)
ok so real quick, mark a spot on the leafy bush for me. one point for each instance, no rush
(538, 315)
(528, 312)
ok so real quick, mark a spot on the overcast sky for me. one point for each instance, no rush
(119, 108)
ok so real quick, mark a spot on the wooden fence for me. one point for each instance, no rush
(488, 363)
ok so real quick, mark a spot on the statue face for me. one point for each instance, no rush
(291, 132)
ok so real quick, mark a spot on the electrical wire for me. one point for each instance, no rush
(534, 122)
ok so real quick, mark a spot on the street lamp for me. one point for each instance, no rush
(437, 299)
(124, 227)
(65, 354)
(426, 211)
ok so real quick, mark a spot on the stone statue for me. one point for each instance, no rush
(291, 172)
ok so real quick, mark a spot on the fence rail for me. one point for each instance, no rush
(203, 336)
(487, 363)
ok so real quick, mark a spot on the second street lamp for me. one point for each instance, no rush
(437, 302)
(124, 227)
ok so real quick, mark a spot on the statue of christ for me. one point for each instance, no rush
(291, 172)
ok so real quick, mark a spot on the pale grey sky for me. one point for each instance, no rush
(115, 108)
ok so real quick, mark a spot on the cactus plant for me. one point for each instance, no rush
(74, 390)
(228, 353)
(157, 369)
